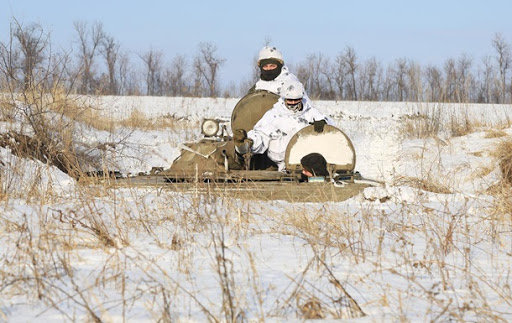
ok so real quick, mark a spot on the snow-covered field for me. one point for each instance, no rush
(401, 251)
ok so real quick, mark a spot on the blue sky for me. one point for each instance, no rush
(426, 31)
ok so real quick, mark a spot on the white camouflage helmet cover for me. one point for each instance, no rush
(270, 52)
(292, 90)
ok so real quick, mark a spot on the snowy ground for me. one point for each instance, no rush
(401, 251)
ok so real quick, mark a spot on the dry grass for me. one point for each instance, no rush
(53, 120)
(421, 126)
(75, 108)
(494, 133)
(137, 120)
(482, 171)
(72, 108)
(89, 116)
(104, 252)
(311, 309)
(435, 120)
(50, 120)
(50, 245)
(148, 255)
(502, 209)
(6, 108)
(428, 184)
(503, 153)
(93, 117)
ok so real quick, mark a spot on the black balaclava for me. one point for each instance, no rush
(270, 74)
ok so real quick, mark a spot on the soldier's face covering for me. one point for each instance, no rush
(294, 105)
(270, 69)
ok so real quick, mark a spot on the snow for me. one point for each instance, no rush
(143, 254)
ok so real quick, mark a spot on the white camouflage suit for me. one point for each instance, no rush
(276, 84)
(275, 129)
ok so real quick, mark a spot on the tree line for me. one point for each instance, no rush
(97, 64)
(346, 77)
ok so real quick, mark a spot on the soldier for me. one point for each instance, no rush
(314, 164)
(273, 72)
(274, 130)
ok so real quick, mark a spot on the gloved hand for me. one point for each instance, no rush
(242, 143)
(319, 125)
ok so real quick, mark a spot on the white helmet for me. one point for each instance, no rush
(270, 52)
(292, 90)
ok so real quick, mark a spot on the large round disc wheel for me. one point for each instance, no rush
(249, 110)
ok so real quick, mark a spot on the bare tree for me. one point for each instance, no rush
(328, 91)
(486, 78)
(36, 77)
(198, 89)
(89, 41)
(10, 57)
(110, 51)
(399, 78)
(414, 84)
(369, 80)
(178, 79)
(351, 68)
(27, 63)
(311, 73)
(388, 84)
(314, 67)
(340, 74)
(206, 66)
(464, 78)
(503, 56)
(450, 86)
(32, 43)
(434, 81)
(153, 71)
(123, 72)
(304, 74)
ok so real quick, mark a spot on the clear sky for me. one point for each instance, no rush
(426, 31)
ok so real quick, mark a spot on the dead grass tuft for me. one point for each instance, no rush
(461, 125)
(503, 153)
(50, 119)
(493, 133)
(420, 126)
(503, 206)
(75, 109)
(312, 310)
(428, 184)
(434, 120)
(6, 108)
(91, 116)
(482, 171)
(502, 191)
(137, 120)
